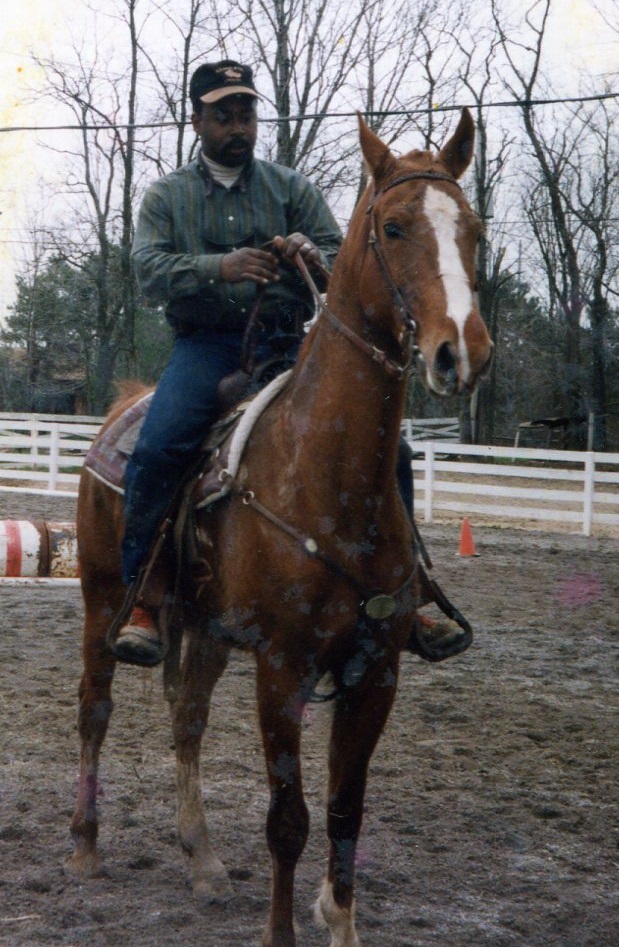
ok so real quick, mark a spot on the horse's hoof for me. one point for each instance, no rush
(272, 938)
(83, 867)
(213, 890)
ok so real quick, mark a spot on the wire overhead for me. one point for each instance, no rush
(312, 116)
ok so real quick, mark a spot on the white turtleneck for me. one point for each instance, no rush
(220, 173)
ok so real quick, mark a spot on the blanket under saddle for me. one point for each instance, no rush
(108, 455)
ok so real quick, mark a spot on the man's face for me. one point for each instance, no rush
(228, 129)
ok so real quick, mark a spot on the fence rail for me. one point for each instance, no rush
(574, 487)
(431, 429)
(44, 454)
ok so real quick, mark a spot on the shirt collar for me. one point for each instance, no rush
(209, 181)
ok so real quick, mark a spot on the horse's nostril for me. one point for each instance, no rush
(445, 360)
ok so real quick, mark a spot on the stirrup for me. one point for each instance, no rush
(139, 641)
(458, 641)
(443, 639)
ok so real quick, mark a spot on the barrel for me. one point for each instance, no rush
(36, 549)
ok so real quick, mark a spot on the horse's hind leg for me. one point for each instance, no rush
(203, 665)
(359, 717)
(95, 708)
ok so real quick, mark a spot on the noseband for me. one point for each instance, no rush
(391, 367)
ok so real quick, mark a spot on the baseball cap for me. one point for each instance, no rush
(213, 81)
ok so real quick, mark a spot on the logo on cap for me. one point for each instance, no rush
(234, 75)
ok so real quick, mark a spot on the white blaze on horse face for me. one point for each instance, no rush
(443, 212)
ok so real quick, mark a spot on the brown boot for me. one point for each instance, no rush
(437, 640)
(139, 641)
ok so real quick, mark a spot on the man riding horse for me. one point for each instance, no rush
(210, 237)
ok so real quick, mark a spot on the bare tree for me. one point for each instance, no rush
(478, 46)
(594, 202)
(570, 205)
(324, 62)
(100, 189)
(93, 208)
(188, 26)
(551, 147)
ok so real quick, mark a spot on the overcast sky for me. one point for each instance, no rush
(577, 40)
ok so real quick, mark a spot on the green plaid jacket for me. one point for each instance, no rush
(187, 222)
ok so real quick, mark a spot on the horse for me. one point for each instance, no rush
(311, 560)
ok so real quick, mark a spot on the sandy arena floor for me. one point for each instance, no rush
(492, 810)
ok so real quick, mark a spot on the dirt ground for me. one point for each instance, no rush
(492, 813)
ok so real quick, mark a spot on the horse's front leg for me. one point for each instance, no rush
(203, 665)
(95, 708)
(281, 699)
(360, 715)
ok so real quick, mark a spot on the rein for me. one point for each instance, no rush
(390, 367)
(376, 605)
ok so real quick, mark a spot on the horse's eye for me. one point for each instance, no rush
(392, 230)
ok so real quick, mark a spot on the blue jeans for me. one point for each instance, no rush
(182, 410)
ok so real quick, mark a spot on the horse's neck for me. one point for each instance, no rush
(346, 412)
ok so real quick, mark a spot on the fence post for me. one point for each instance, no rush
(429, 480)
(54, 452)
(589, 488)
(34, 438)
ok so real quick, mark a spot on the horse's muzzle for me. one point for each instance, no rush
(451, 372)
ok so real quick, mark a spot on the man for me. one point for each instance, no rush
(198, 249)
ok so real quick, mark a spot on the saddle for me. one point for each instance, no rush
(223, 446)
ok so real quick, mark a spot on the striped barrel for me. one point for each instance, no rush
(34, 548)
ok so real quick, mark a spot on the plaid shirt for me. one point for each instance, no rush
(187, 222)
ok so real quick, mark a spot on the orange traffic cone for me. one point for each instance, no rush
(467, 544)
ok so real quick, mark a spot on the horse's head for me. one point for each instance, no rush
(421, 268)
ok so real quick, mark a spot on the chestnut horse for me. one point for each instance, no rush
(311, 557)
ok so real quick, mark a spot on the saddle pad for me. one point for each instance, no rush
(107, 457)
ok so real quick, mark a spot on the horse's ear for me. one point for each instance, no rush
(456, 154)
(376, 153)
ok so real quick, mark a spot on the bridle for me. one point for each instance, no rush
(403, 308)
(389, 365)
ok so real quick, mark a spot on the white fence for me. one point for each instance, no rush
(431, 429)
(44, 454)
(568, 487)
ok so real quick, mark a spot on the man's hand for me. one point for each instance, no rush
(258, 266)
(297, 243)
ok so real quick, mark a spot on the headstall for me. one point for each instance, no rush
(389, 365)
(403, 308)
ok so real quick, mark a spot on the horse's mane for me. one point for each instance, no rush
(128, 391)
